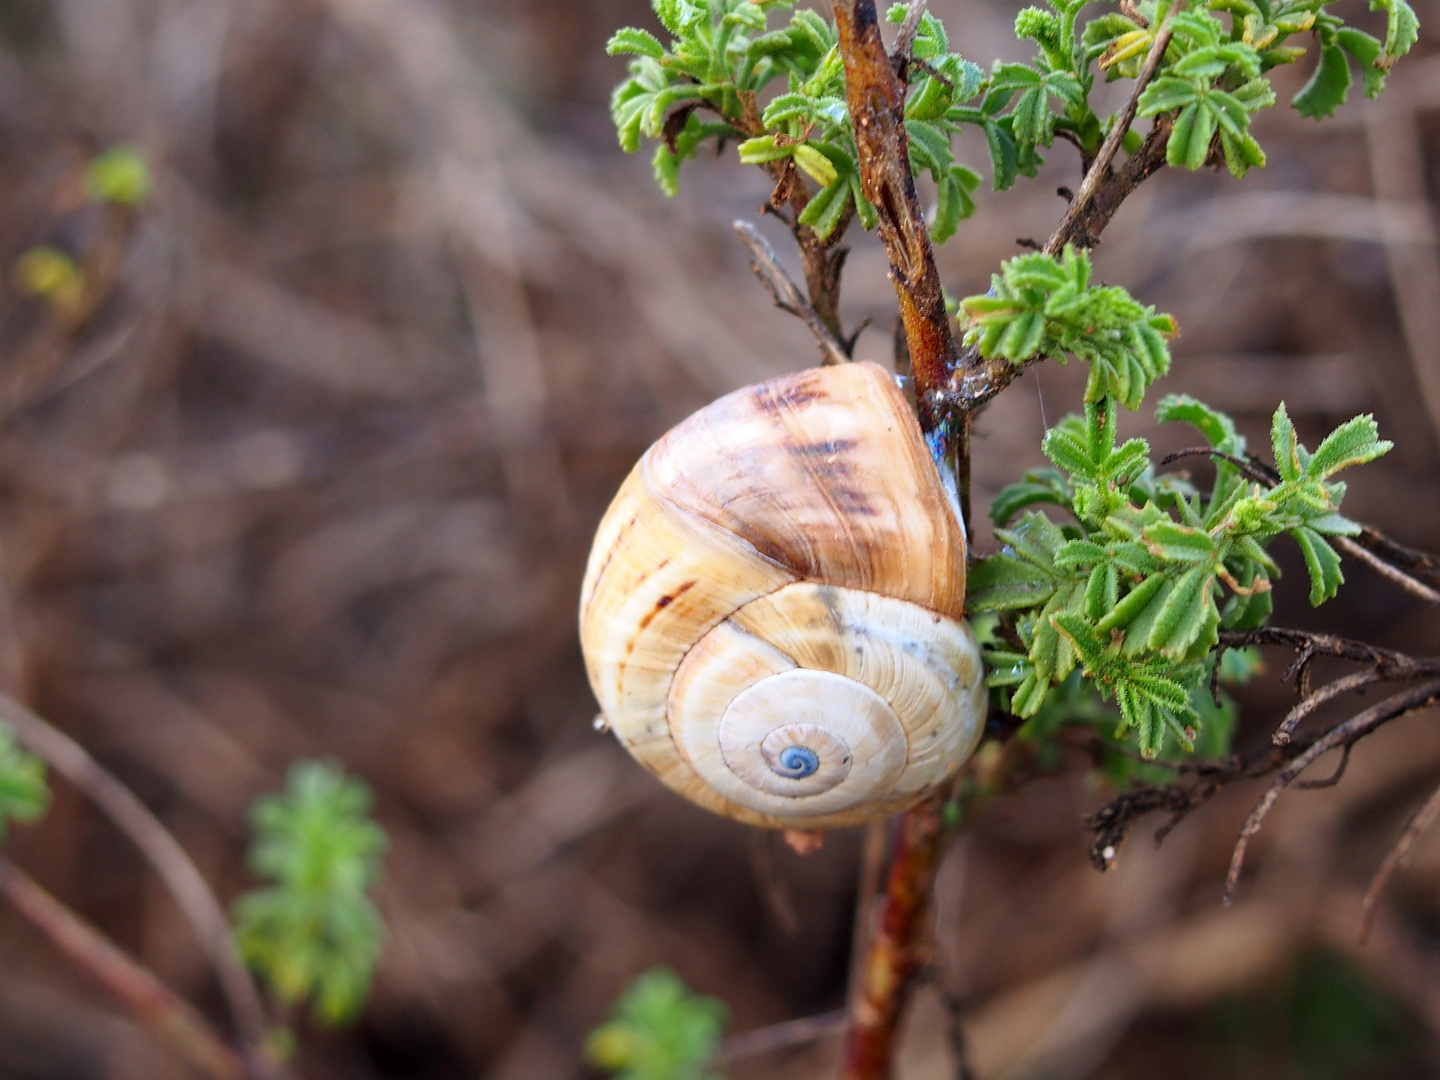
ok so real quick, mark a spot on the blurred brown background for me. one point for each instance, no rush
(317, 478)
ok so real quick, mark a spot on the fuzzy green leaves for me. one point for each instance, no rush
(659, 1031)
(315, 932)
(24, 795)
(1041, 306)
(1134, 593)
(1212, 85)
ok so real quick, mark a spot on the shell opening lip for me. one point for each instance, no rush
(798, 762)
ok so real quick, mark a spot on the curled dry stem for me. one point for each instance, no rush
(787, 294)
(145, 996)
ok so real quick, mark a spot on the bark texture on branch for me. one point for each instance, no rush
(892, 960)
(877, 107)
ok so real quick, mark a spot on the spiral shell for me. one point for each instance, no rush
(771, 613)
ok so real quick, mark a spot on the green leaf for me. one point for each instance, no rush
(1039, 486)
(825, 208)
(659, 1031)
(1134, 603)
(1322, 563)
(1004, 583)
(1218, 429)
(816, 165)
(666, 167)
(24, 795)
(1353, 443)
(1284, 445)
(1181, 618)
(1179, 543)
(315, 932)
(1366, 51)
(632, 40)
(1190, 138)
(1166, 93)
(1328, 86)
(1402, 28)
(761, 149)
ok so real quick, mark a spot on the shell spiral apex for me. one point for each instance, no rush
(771, 613)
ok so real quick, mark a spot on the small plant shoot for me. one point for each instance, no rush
(314, 933)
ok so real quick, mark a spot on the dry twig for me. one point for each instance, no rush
(188, 886)
(150, 1000)
(787, 294)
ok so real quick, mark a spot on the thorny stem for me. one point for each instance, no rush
(180, 875)
(877, 108)
(147, 998)
(892, 961)
(876, 97)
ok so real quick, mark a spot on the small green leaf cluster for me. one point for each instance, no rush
(1042, 306)
(1213, 84)
(1133, 590)
(315, 932)
(24, 795)
(659, 1031)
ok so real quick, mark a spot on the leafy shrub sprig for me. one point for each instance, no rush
(1130, 591)
(314, 932)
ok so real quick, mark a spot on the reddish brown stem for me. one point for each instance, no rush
(147, 998)
(877, 107)
(892, 960)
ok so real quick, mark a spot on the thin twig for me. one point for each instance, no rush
(905, 39)
(147, 998)
(1396, 859)
(781, 1036)
(892, 961)
(1355, 728)
(191, 892)
(786, 293)
(1353, 681)
(1099, 171)
(1385, 570)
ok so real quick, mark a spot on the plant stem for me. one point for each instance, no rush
(892, 960)
(786, 293)
(1070, 226)
(877, 108)
(180, 875)
(822, 260)
(151, 1001)
(977, 380)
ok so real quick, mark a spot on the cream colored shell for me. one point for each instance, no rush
(771, 612)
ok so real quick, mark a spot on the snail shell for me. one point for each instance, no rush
(771, 613)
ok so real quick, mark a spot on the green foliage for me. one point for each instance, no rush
(659, 1031)
(721, 57)
(24, 795)
(1038, 305)
(119, 175)
(315, 932)
(1132, 592)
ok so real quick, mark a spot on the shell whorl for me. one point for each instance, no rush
(771, 612)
